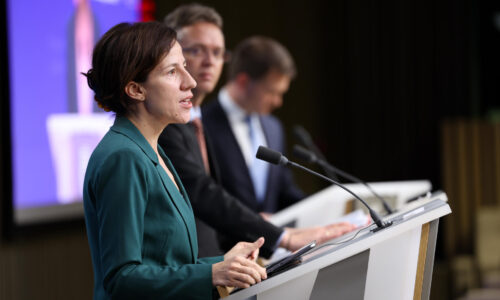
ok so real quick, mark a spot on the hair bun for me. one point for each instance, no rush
(92, 82)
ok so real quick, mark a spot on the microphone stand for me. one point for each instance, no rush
(276, 158)
(375, 217)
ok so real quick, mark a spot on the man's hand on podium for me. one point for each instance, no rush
(295, 238)
(266, 216)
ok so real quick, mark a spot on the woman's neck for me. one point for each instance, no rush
(148, 127)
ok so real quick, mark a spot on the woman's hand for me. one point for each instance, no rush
(239, 268)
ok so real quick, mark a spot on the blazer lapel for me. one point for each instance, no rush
(225, 136)
(181, 203)
(272, 138)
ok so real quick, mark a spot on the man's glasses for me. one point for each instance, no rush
(198, 51)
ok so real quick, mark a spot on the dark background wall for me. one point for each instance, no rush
(376, 78)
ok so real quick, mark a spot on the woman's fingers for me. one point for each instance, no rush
(245, 249)
(238, 271)
(244, 277)
(258, 271)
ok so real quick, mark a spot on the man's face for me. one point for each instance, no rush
(204, 50)
(266, 94)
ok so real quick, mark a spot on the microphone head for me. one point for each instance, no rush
(302, 135)
(304, 154)
(271, 156)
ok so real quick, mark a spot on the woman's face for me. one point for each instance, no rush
(168, 89)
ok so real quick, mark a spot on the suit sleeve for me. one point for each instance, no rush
(210, 260)
(210, 202)
(120, 207)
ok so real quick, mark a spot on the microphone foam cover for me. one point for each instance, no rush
(271, 156)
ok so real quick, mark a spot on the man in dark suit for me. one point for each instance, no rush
(199, 30)
(240, 120)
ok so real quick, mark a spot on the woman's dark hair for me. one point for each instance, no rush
(127, 52)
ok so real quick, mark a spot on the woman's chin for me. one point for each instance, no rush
(183, 119)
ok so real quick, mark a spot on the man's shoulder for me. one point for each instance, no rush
(210, 107)
(175, 135)
(271, 118)
(271, 121)
(176, 129)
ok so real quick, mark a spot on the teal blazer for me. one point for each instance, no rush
(141, 229)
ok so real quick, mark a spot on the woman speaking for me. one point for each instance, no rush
(140, 224)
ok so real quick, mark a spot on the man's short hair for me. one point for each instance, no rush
(257, 55)
(189, 14)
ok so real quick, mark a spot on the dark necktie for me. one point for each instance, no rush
(198, 125)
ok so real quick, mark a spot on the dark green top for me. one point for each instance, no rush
(141, 229)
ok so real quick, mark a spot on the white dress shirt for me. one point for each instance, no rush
(237, 120)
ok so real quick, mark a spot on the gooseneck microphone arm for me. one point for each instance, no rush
(305, 138)
(275, 157)
(310, 157)
(373, 214)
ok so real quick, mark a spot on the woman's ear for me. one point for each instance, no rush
(135, 91)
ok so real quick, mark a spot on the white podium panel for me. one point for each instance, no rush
(325, 206)
(392, 263)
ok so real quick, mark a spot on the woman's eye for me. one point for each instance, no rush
(171, 72)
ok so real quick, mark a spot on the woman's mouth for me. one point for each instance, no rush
(186, 102)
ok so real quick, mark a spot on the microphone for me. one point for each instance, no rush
(310, 157)
(305, 138)
(276, 158)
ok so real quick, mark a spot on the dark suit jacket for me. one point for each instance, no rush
(141, 229)
(234, 173)
(211, 203)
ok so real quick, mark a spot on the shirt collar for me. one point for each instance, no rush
(195, 112)
(232, 109)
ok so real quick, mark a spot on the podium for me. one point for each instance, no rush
(392, 263)
(332, 202)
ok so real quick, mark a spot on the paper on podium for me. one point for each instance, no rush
(357, 218)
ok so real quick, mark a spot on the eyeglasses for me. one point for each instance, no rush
(198, 51)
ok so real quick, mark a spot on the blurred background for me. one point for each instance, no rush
(389, 90)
